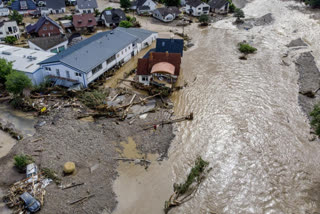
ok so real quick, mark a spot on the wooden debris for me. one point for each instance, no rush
(36, 140)
(71, 186)
(81, 199)
(164, 122)
(132, 159)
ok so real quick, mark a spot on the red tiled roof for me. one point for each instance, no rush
(84, 20)
(145, 65)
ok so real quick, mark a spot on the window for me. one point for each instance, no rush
(118, 55)
(163, 44)
(61, 48)
(54, 50)
(78, 74)
(48, 68)
(51, 27)
(111, 59)
(125, 50)
(58, 72)
(47, 23)
(44, 28)
(129, 47)
(121, 52)
(96, 69)
(68, 74)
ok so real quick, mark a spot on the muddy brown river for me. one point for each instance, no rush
(248, 123)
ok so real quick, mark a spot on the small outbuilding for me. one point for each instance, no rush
(219, 6)
(112, 18)
(166, 14)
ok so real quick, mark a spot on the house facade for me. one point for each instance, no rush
(112, 18)
(44, 27)
(4, 11)
(23, 6)
(166, 14)
(9, 28)
(52, 7)
(143, 6)
(197, 8)
(86, 6)
(84, 22)
(26, 61)
(53, 44)
(86, 61)
(219, 6)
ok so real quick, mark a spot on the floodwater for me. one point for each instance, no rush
(248, 123)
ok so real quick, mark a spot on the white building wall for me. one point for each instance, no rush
(87, 10)
(4, 12)
(52, 11)
(145, 79)
(198, 11)
(5, 30)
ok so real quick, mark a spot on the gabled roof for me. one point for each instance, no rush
(144, 7)
(93, 51)
(164, 11)
(194, 3)
(170, 45)
(86, 4)
(55, 4)
(114, 16)
(139, 3)
(145, 64)
(217, 3)
(23, 5)
(45, 43)
(35, 27)
(84, 20)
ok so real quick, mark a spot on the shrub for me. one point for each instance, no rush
(108, 8)
(246, 48)
(315, 122)
(125, 24)
(21, 161)
(204, 19)
(125, 4)
(92, 99)
(50, 173)
(16, 82)
(232, 8)
(10, 40)
(239, 14)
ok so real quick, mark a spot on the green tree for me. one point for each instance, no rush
(239, 14)
(5, 69)
(108, 8)
(10, 40)
(125, 24)
(15, 16)
(125, 4)
(204, 19)
(315, 122)
(16, 82)
(96, 12)
(172, 2)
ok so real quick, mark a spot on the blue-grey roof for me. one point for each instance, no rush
(91, 52)
(55, 4)
(170, 45)
(87, 4)
(22, 5)
(141, 34)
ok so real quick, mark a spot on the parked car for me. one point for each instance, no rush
(31, 204)
(32, 172)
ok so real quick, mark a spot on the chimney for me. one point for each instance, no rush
(151, 56)
(167, 54)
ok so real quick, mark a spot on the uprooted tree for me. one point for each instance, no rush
(185, 191)
(315, 122)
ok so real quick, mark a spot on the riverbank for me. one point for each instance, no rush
(95, 146)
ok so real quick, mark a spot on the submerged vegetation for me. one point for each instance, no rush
(315, 122)
(185, 191)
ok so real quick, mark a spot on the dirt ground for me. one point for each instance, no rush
(93, 146)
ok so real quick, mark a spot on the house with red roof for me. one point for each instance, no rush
(84, 22)
(159, 69)
(44, 27)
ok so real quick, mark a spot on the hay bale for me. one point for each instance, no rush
(69, 167)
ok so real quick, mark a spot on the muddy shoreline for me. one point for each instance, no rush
(94, 146)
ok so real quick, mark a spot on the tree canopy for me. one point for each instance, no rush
(125, 24)
(16, 82)
(10, 39)
(125, 4)
(314, 3)
(5, 69)
(204, 19)
(239, 13)
(15, 16)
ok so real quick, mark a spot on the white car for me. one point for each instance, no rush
(32, 172)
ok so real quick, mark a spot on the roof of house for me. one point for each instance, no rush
(164, 11)
(86, 4)
(45, 43)
(93, 51)
(114, 16)
(217, 3)
(194, 3)
(145, 64)
(55, 4)
(35, 27)
(23, 59)
(84, 20)
(140, 34)
(144, 7)
(170, 45)
(22, 5)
